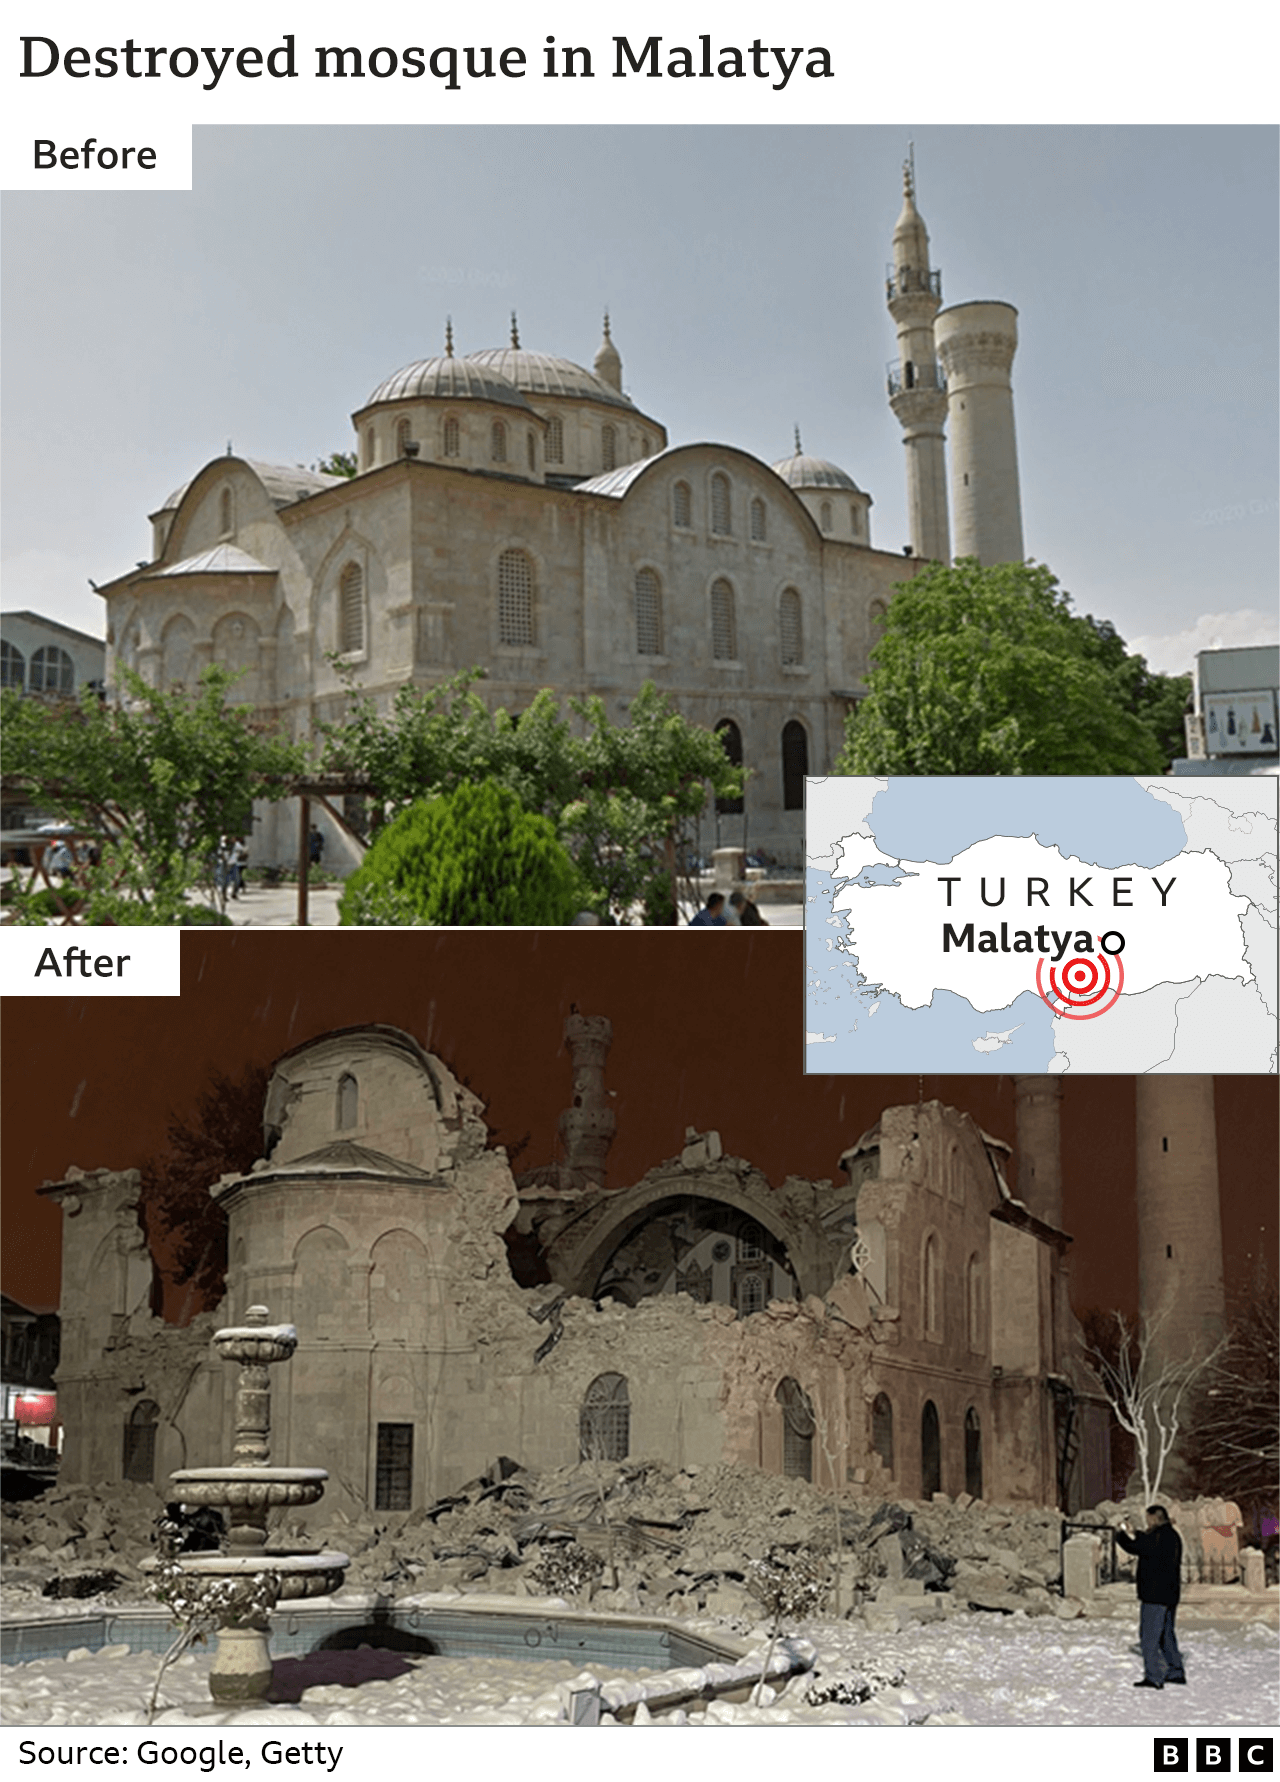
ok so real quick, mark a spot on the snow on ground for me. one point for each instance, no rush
(972, 1669)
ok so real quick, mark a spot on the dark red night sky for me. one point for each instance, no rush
(707, 1031)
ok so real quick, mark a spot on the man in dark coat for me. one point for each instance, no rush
(1159, 1551)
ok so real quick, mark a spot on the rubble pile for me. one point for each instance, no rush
(668, 1540)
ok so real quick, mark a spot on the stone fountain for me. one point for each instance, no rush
(247, 1490)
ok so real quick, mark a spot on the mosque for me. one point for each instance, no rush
(513, 511)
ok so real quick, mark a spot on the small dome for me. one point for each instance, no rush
(542, 374)
(800, 471)
(449, 380)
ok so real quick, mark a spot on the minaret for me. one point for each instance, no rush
(1180, 1283)
(917, 393)
(608, 361)
(1038, 1103)
(587, 1128)
(976, 344)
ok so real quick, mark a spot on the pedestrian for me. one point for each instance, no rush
(711, 915)
(1159, 1553)
(315, 844)
(239, 860)
(748, 915)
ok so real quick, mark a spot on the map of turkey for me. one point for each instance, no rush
(1095, 925)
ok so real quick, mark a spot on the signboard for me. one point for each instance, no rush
(1239, 723)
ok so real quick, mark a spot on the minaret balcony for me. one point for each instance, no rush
(911, 281)
(903, 375)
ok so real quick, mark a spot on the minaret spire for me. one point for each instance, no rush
(448, 337)
(608, 361)
(917, 392)
(515, 331)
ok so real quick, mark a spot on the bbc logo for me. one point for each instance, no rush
(1214, 1753)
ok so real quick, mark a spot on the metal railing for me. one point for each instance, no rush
(910, 376)
(909, 282)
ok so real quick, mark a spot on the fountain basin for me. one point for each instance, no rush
(250, 1487)
(301, 1575)
(256, 1345)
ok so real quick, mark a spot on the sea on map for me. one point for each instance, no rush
(1040, 925)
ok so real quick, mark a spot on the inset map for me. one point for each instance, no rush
(1040, 925)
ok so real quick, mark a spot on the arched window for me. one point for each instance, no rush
(824, 516)
(348, 1113)
(604, 1422)
(555, 440)
(515, 599)
(855, 524)
(226, 515)
(531, 450)
(724, 630)
(972, 1453)
(876, 612)
(748, 1292)
(682, 505)
(797, 1430)
(370, 448)
(52, 671)
(882, 1429)
(795, 764)
(644, 445)
(139, 1466)
(498, 442)
(931, 1288)
(404, 433)
(791, 627)
(452, 437)
(930, 1451)
(721, 506)
(13, 666)
(973, 1304)
(609, 448)
(648, 613)
(759, 521)
(351, 610)
(731, 742)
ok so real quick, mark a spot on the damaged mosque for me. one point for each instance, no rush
(900, 1331)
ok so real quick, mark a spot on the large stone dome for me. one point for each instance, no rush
(543, 374)
(800, 471)
(450, 380)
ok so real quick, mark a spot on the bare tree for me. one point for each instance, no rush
(1233, 1444)
(1148, 1394)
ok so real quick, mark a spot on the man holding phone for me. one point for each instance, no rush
(1159, 1554)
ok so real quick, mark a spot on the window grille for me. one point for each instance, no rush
(795, 765)
(750, 1244)
(724, 632)
(393, 1485)
(648, 613)
(52, 671)
(791, 626)
(609, 448)
(797, 1430)
(682, 505)
(498, 442)
(515, 599)
(555, 440)
(452, 437)
(749, 1292)
(403, 435)
(721, 509)
(351, 610)
(13, 666)
(731, 741)
(604, 1422)
(759, 521)
(824, 516)
(348, 1100)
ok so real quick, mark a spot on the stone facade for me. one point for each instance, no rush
(891, 1333)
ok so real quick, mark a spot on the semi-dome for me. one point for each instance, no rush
(543, 374)
(449, 380)
(800, 471)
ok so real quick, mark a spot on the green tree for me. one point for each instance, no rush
(469, 858)
(625, 799)
(988, 671)
(160, 776)
(337, 464)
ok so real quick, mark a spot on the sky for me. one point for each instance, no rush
(743, 268)
(706, 1033)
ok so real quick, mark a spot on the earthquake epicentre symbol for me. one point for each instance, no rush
(1083, 985)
